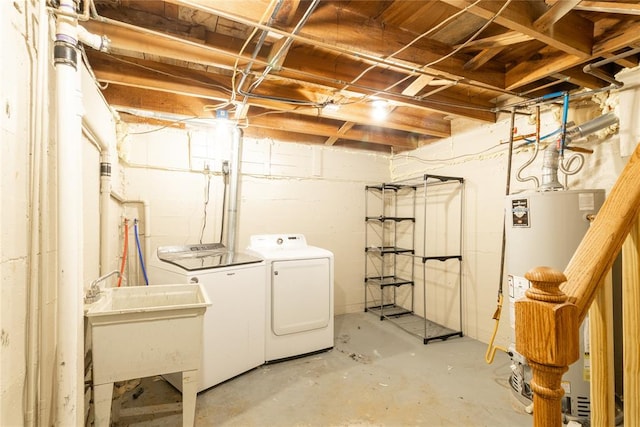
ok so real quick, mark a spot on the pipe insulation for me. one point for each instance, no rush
(69, 349)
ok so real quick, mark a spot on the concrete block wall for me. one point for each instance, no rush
(479, 154)
(284, 188)
(14, 216)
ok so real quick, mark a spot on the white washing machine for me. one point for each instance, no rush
(233, 329)
(299, 295)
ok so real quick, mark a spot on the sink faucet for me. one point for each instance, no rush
(94, 288)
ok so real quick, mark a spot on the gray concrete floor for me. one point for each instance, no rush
(376, 375)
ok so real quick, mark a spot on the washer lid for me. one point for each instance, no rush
(284, 247)
(203, 256)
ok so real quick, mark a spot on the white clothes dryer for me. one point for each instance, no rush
(233, 329)
(299, 295)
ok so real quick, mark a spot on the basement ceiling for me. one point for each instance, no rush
(318, 71)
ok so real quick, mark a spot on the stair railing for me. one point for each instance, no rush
(549, 316)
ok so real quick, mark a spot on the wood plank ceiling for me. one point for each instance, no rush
(317, 71)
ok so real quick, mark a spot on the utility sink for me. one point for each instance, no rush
(119, 302)
(141, 331)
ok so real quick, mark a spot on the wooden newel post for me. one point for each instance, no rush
(547, 335)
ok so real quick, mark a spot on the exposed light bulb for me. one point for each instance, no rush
(380, 109)
(331, 107)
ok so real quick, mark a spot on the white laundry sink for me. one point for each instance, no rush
(141, 331)
(117, 302)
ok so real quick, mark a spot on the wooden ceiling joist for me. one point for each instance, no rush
(430, 61)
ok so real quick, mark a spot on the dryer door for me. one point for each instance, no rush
(300, 295)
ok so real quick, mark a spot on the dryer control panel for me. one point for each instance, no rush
(276, 241)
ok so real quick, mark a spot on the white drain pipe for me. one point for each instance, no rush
(69, 348)
(105, 199)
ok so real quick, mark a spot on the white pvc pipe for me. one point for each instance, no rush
(69, 348)
(39, 141)
(105, 200)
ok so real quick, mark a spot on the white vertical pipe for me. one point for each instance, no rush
(234, 173)
(105, 199)
(69, 348)
(39, 120)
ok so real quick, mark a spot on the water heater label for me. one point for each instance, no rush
(520, 212)
(586, 202)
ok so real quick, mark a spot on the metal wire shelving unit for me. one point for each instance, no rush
(391, 255)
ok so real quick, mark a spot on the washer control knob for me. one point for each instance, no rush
(279, 241)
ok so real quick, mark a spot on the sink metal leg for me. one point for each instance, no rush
(189, 395)
(102, 395)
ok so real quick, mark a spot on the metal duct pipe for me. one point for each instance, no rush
(550, 170)
(592, 126)
(234, 174)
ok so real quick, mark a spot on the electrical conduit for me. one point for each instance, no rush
(234, 172)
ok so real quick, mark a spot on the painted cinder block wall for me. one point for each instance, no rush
(321, 190)
(479, 154)
(284, 188)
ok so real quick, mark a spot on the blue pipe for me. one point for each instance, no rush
(530, 141)
(553, 95)
(144, 271)
(565, 115)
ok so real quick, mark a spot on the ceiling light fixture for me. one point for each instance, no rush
(380, 109)
(330, 107)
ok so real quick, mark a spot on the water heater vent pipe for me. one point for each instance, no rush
(234, 172)
(550, 170)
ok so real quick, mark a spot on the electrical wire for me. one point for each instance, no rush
(144, 271)
(206, 202)
(168, 125)
(421, 160)
(225, 181)
(450, 54)
(472, 38)
(172, 75)
(408, 45)
(236, 63)
(247, 94)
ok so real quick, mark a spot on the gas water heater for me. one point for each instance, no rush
(544, 229)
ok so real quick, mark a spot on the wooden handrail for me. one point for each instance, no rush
(548, 318)
(603, 241)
